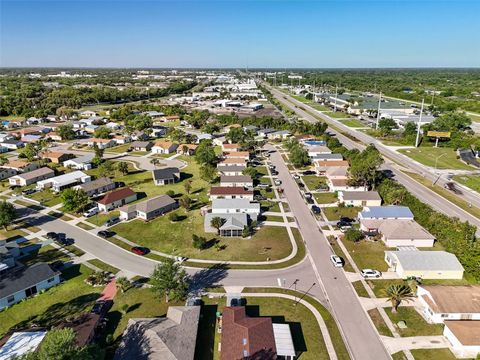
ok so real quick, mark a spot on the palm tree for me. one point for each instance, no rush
(396, 293)
(123, 284)
(154, 162)
(397, 196)
(217, 223)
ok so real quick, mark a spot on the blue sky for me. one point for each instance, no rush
(236, 33)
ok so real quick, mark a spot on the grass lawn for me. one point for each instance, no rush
(118, 149)
(325, 198)
(100, 218)
(313, 182)
(358, 286)
(103, 266)
(338, 251)
(274, 218)
(335, 213)
(352, 123)
(471, 181)
(428, 156)
(337, 114)
(429, 354)
(74, 250)
(416, 325)
(46, 197)
(71, 298)
(60, 215)
(46, 254)
(176, 239)
(13, 232)
(379, 323)
(305, 330)
(85, 226)
(368, 254)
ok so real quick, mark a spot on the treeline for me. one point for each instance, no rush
(26, 97)
(454, 235)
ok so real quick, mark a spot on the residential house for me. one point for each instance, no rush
(172, 337)
(90, 129)
(140, 136)
(97, 187)
(252, 128)
(264, 132)
(359, 198)
(12, 144)
(31, 177)
(398, 232)
(21, 283)
(228, 192)
(20, 343)
(226, 147)
(187, 149)
(464, 336)
(9, 251)
(56, 157)
(31, 139)
(116, 198)
(219, 141)
(171, 118)
(88, 113)
(236, 181)
(254, 337)
(6, 173)
(317, 150)
(327, 157)
(385, 212)
(279, 135)
(336, 184)
(166, 176)
(101, 143)
(231, 170)
(424, 264)
(232, 206)
(202, 136)
(234, 162)
(158, 131)
(21, 166)
(141, 145)
(54, 136)
(245, 155)
(113, 126)
(58, 183)
(148, 209)
(79, 124)
(449, 302)
(164, 147)
(81, 163)
(154, 114)
(6, 136)
(232, 224)
(122, 139)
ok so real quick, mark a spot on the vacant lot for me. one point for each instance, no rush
(367, 254)
(429, 155)
(471, 181)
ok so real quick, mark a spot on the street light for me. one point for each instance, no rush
(306, 292)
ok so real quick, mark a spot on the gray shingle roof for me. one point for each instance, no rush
(360, 195)
(166, 173)
(235, 179)
(96, 184)
(155, 203)
(35, 173)
(24, 278)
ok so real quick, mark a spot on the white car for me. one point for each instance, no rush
(91, 212)
(370, 273)
(180, 259)
(296, 176)
(336, 261)
(277, 182)
(344, 229)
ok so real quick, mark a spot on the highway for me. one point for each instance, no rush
(421, 192)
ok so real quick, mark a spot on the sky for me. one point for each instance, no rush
(239, 34)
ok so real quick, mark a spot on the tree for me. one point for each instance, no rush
(60, 344)
(199, 242)
(185, 149)
(107, 168)
(299, 156)
(155, 162)
(250, 171)
(66, 132)
(187, 185)
(122, 167)
(123, 284)
(185, 202)
(98, 151)
(364, 167)
(7, 214)
(169, 279)
(386, 126)
(353, 235)
(102, 132)
(217, 223)
(74, 199)
(396, 293)
(30, 151)
(208, 173)
(3, 160)
(235, 135)
(205, 153)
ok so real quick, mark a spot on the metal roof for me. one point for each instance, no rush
(427, 260)
(283, 340)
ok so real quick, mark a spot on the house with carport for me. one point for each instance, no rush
(149, 209)
(116, 198)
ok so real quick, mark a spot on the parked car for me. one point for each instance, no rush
(277, 182)
(90, 212)
(308, 195)
(346, 219)
(370, 273)
(301, 185)
(180, 259)
(263, 186)
(309, 200)
(140, 250)
(296, 176)
(28, 191)
(51, 235)
(315, 209)
(344, 229)
(105, 234)
(309, 172)
(336, 260)
(274, 172)
(259, 198)
(341, 224)
(271, 167)
(112, 221)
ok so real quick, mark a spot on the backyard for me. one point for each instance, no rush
(445, 158)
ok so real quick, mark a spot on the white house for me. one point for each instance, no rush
(164, 147)
(241, 180)
(464, 337)
(31, 177)
(230, 170)
(318, 150)
(449, 302)
(232, 206)
(396, 232)
(230, 192)
(81, 163)
(360, 198)
(101, 143)
(116, 198)
(386, 212)
(61, 182)
(24, 282)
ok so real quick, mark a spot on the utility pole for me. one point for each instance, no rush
(306, 292)
(378, 110)
(336, 94)
(418, 124)
(295, 287)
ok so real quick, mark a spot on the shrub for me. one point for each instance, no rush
(173, 217)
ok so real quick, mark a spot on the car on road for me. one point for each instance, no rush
(90, 212)
(277, 182)
(105, 234)
(315, 209)
(140, 250)
(370, 273)
(336, 260)
(112, 221)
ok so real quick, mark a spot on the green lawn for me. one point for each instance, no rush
(429, 155)
(325, 198)
(71, 298)
(337, 115)
(379, 323)
(46, 197)
(313, 182)
(176, 239)
(85, 226)
(100, 218)
(103, 266)
(367, 254)
(429, 354)
(416, 325)
(305, 330)
(471, 181)
(46, 254)
(360, 289)
(335, 213)
(380, 286)
(352, 123)
(118, 149)
(13, 232)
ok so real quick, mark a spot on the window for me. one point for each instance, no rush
(245, 353)
(10, 299)
(244, 341)
(51, 280)
(444, 315)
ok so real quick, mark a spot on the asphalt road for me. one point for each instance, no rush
(421, 192)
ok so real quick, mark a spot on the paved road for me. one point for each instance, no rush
(420, 191)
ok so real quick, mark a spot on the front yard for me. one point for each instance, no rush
(325, 198)
(367, 254)
(415, 324)
(313, 182)
(335, 213)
